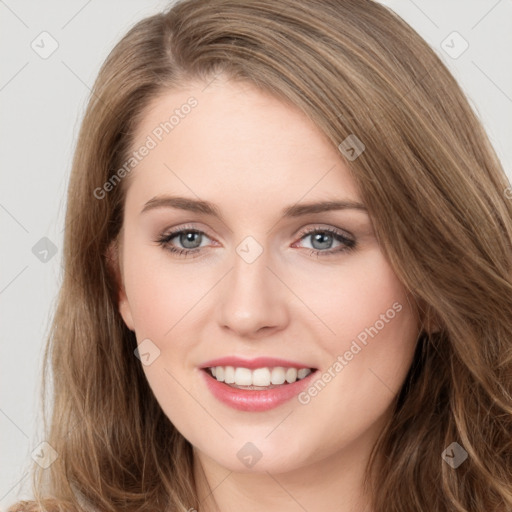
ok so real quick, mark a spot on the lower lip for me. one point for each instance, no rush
(255, 400)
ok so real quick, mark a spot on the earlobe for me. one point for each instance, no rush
(432, 323)
(114, 267)
(429, 319)
(126, 313)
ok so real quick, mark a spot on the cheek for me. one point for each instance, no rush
(362, 293)
(368, 356)
(159, 292)
(373, 329)
(160, 295)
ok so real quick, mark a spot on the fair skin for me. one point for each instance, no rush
(252, 155)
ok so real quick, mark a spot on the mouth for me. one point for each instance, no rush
(258, 379)
(259, 388)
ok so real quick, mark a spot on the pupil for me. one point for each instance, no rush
(324, 239)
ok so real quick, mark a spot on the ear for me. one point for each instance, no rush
(431, 321)
(114, 264)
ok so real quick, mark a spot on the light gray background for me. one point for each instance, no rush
(42, 102)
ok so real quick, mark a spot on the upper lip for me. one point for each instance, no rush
(258, 362)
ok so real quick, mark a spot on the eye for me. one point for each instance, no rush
(322, 240)
(189, 238)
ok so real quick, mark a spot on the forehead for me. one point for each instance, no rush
(238, 137)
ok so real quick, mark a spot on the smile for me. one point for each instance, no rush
(260, 378)
(255, 387)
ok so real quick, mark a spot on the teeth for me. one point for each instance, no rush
(303, 372)
(243, 377)
(291, 375)
(229, 375)
(260, 377)
(278, 375)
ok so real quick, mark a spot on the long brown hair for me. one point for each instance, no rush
(435, 191)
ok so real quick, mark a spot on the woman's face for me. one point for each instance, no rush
(268, 276)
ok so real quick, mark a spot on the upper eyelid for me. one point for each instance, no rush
(308, 230)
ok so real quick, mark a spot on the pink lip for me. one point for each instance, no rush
(259, 362)
(254, 400)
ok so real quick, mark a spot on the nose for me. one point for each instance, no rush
(252, 301)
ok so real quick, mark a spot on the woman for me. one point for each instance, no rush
(204, 358)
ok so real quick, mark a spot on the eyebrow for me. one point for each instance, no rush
(207, 208)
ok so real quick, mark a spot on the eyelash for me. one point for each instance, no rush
(349, 245)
